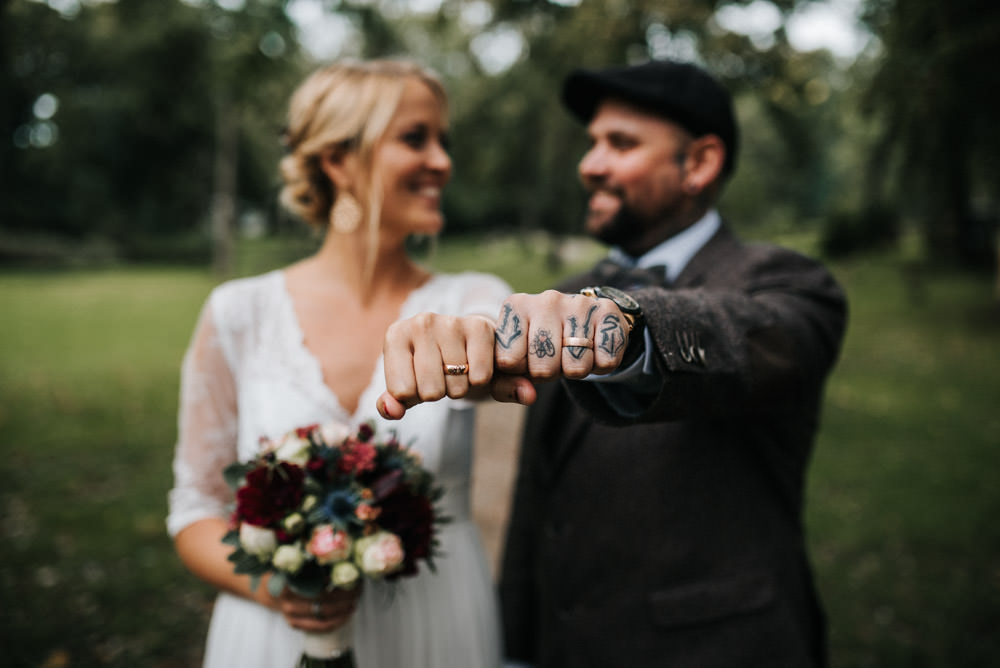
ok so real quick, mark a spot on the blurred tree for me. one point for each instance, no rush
(934, 96)
(516, 147)
(255, 64)
(166, 121)
(114, 111)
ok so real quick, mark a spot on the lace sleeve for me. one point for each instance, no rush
(207, 430)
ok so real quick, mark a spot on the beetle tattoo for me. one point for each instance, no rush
(542, 346)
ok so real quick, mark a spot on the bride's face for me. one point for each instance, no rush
(412, 163)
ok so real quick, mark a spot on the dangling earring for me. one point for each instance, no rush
(345, 215)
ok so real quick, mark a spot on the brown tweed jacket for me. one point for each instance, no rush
(676, 538)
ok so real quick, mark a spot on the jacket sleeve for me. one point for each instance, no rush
(756, 336)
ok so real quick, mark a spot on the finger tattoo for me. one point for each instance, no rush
(576, 351)
(509, 329)
(612, 335)
(543, 346)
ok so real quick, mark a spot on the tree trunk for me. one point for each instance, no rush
(223, 217)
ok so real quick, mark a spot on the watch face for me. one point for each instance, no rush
(622, 299)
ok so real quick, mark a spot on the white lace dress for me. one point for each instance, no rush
(247, 374)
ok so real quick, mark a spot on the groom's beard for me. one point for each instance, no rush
(624, 229)
(635, 232)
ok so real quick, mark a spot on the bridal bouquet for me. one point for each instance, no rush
(323, 506)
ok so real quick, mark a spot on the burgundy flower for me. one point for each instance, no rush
(387, 484)
(304, 432)
(365, 432)
(269, 494)
(316, 467)
(411, 517)
(357, 458)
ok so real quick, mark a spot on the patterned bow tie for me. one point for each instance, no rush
(616, 275)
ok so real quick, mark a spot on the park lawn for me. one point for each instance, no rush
(88, 400)
(901, 497)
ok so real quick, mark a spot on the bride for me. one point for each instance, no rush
(367, 159)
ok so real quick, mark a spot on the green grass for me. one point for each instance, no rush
(88, 398)
(902, 498)
(903, 494)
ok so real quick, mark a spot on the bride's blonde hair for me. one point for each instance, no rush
(345, 106)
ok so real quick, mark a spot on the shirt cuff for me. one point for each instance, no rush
(629, 391)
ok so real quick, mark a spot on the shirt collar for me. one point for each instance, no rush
(676, 251)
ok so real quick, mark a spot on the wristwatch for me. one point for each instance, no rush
(626, 304)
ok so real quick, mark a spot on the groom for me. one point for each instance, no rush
(657, 516)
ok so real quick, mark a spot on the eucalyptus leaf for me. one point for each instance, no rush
(235, 474)
(276, 584)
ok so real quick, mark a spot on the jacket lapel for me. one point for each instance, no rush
(714, 254)
(565, 425)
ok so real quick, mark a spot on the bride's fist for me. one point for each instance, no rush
(431, 356)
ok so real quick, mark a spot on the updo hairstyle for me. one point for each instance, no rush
(345, 106)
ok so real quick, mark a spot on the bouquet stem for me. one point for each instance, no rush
(330, 649)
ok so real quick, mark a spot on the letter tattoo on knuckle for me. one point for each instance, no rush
(542, 345)
(576, 352)
(612, 335)
(509, 329)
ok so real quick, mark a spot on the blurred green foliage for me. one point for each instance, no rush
(124, 122)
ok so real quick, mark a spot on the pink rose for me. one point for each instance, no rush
(357, 457)
(329, 545)
(367, 512)
(379, 554)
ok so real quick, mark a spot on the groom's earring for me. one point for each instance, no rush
(345, 214)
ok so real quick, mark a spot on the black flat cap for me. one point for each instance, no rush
(679, 92)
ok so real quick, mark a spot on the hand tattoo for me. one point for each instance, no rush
(612, 335)
(542, 346)
(577, 351)
(504, 336)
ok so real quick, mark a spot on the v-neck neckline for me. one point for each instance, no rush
(311, 362)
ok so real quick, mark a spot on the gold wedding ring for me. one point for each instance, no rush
(577, 342)
(456, 369)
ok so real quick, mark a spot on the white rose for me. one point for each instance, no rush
(344, 575)
(288, 558)
(334, 433)
(258, 541)
(293, 450)
(379, 554)
(293, 523)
